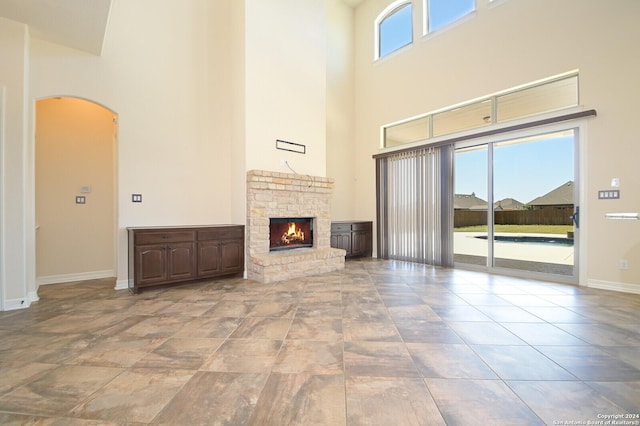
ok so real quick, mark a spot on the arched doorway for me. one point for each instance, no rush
(75, 181)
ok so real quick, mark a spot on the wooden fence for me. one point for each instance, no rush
(546, 216)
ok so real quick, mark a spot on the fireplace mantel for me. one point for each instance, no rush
(281, 195)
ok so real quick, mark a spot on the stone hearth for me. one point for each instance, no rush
(281, 195)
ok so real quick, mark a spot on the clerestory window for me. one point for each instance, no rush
(440, 13)
(394, 28)
(553, 94)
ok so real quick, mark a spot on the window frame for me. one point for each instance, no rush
(386, 13)
(426, 30)
(492, 117)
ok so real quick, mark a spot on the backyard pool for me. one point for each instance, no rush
(556, 241)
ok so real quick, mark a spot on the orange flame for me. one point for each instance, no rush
(292, 234)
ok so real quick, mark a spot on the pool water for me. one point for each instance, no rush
(556, 241)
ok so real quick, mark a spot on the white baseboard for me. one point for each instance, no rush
(615, 286)
(83, 276)
(13, 304)
(122, 285)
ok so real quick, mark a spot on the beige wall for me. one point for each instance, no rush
(340, 109)
(166, 77)
(505, 45)
(285, 84)
(202, 91)
(236, 60)
(75, 147)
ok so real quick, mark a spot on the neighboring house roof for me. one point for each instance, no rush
(561, 196)
(468, 202)
(508, 204)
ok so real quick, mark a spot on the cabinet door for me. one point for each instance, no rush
(232, 255)
(361, 243)
(151, 264)
(209, 258)
(342, 241)
(181, 261)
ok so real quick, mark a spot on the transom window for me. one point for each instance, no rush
(552, 94)
(394, 28)
(440, 13)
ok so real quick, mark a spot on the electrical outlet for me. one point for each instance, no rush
(624, 264)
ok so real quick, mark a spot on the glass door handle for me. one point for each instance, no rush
(576, 217)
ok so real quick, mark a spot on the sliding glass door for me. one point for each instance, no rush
(471, 215)
(513, 203)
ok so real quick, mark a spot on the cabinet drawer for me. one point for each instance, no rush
(221, 234)
(164, 237)
(364, 226)
(340, 227)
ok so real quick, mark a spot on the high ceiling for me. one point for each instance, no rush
(79, 24)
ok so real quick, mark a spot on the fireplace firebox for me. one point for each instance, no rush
(290, 233)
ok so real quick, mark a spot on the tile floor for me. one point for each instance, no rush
(380, 343)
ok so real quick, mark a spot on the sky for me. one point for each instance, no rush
(523, 171)
(395, 32)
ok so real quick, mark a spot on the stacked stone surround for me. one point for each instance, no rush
(283, 195)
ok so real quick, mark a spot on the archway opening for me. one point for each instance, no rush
(76, 191)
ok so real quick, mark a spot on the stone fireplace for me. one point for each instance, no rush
(277, 198)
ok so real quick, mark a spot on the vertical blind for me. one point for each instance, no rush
(415, 205)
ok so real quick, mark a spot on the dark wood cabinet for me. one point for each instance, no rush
(208, 258)
(167, 255)
(356, 237)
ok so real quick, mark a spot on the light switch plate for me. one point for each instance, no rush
(136, 198)
(610, 194)
(81, 199)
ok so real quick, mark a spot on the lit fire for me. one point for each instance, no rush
(292, 234)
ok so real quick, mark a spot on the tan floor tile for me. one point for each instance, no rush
(244, 356)
(381, 342)
(209, 327)
(573, 401)
(136, 395)
(390, 401)
(450, 361)
(121, 351)
(362, 330)
(214, 398)
(262, 328)
(326, 329)
(274, 310)
(184, 353)
(306, 356)
(58, 391)
(17, 373)
(158, 326)
(466, 402)
(379, 359)
(301, 399)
